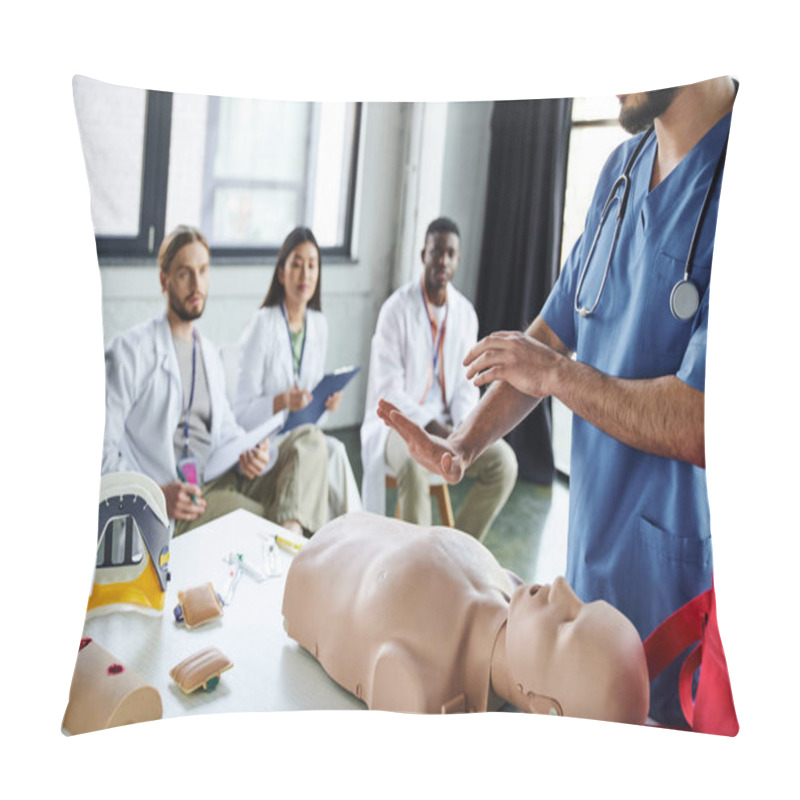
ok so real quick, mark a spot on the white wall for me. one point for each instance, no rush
(446, 157)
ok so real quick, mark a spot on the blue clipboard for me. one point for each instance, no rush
(330, 384)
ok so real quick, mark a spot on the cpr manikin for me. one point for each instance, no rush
(425, 620)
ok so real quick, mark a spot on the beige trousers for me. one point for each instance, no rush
(494, 475)
(296, 488)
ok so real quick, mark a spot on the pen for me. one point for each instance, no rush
(183, 478)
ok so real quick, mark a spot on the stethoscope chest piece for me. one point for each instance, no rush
(684, 300)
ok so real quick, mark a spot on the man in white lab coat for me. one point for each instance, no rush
(423, 333)
(167, 409)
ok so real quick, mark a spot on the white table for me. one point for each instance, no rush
(270, 671)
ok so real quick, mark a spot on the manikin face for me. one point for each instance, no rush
(586, 656)
(440, 258)
(299, 275)
(186, 281)
(637, 111)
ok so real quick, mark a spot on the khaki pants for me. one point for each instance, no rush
(494, 475)
(296, 488)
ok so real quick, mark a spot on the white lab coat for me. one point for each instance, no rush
(399, 368)
(144, 401)
(266, 370)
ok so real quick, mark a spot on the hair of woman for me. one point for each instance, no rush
(275, 294)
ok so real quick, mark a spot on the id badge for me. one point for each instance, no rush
(187, 470)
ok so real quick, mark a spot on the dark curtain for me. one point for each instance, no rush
(522, 241)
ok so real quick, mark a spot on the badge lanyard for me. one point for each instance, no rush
(437, 348)
(295, 372)
(188, 409)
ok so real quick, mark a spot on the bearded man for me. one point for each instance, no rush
(167, 409)
(621, 341)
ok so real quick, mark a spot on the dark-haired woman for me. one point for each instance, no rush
(282, 358)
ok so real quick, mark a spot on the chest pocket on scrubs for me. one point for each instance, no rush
(663, 337)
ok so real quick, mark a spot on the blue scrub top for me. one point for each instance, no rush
(639, 533)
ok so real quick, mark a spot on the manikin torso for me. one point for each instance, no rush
(406, 618)
(425, 620)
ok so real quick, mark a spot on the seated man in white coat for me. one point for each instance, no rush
(167, 409)
(424, 331)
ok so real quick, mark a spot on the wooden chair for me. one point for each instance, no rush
(439, 492)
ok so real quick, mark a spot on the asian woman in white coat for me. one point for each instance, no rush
(282, 355)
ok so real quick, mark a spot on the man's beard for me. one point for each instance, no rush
(184, 314)
(636, 119)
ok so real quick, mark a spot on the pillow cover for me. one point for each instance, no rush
(245, 172)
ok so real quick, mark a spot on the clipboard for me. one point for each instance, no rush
(330, 384)
(227, 455)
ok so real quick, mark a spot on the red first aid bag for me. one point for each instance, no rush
(711, 710)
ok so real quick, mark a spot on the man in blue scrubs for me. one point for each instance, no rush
(639, 533)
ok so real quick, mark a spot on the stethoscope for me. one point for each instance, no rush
(684, 299)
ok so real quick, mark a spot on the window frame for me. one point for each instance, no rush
(153, 196)
(114, 250)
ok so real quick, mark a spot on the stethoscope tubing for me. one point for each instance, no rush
(623, 180)
(703, 210)
(681, 312)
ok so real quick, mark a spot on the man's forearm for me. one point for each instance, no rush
(503, 406)
(663, 416)
(500, 410)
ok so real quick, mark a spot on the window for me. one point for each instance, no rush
(243, 171)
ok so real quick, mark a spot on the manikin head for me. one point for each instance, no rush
(575, 659)
(183, 261)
